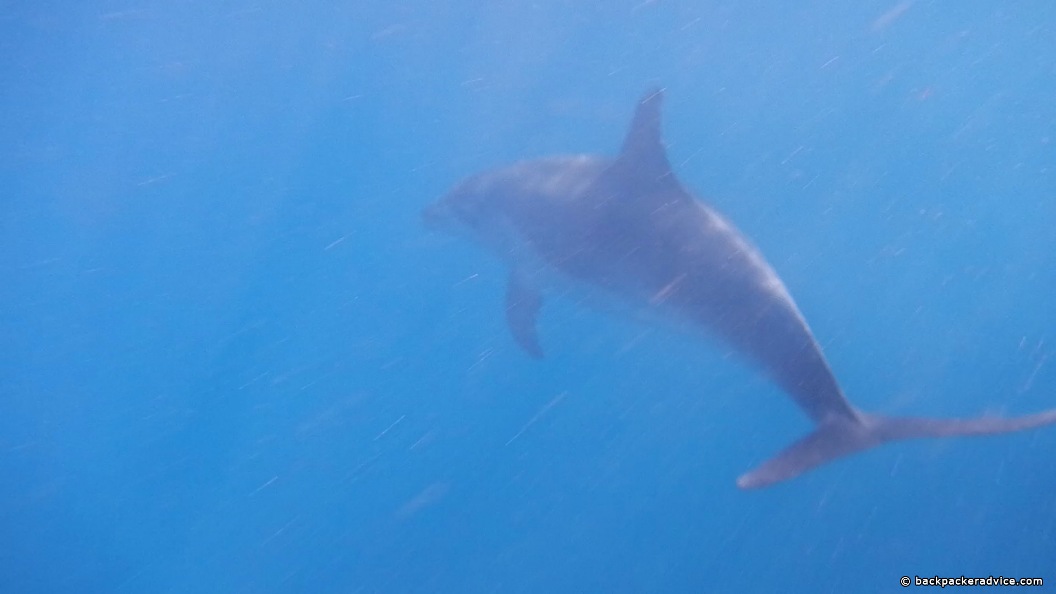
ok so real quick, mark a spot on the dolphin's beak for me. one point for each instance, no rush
(435, 217)
(429, 217)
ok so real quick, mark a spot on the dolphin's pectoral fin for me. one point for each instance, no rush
(522, 310)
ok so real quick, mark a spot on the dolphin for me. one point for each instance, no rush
(627, 229)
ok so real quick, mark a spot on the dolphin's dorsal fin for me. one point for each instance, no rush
(643, 155)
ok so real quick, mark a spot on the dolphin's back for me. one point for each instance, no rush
(656, 246)
(682, 257)
(731, 290)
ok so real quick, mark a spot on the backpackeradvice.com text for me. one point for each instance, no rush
(943, 582)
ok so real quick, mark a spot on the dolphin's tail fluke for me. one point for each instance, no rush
(843, 436)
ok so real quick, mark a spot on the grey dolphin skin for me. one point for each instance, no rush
(626, 228)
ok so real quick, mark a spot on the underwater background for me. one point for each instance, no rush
(233, 360)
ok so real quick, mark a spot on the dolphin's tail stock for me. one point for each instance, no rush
(844, 436)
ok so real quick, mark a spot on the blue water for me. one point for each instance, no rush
(231, 360)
